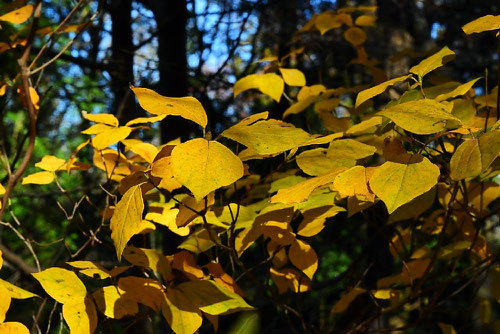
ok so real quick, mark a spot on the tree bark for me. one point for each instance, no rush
(122, 62)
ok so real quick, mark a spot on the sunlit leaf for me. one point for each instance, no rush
(50, 163)
(108, 119)
(349, 149)
(293, 77)
(421, 117)
(19, 15)
(378, 89)
(81, 317)
(475, 155)
(203, 166)
(127, 218)
(301, 191)
(267, 137)
(187, 107)
(212, 298)
(431, 63)
(62, 285)
(269, 84)
(398, 183)
(39, 178)
(110, 137)
(12, 327)
(182, 316)
(303, 256)
(484, 23)
(114, 303)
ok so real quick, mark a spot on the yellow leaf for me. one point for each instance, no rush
(81, 317)
(187, 107)
(475, 155)
(301, 191)
(460, 90)
(114, 303)
(290, 279)
(184, 261)
(354, 35)
(346, 300)
(16, 292)
(365, 20)
(4, 303)
(422, 117)
(398, 183)
(310, 91)
(378, 89)
(303, 256)
(142, 120)
(148, 258)
(127, 218)
(108, 119)
(314, 220)
(328, 20)
(431, 63)
(62, 285)
(96, 129)
(293, 77)
(484, 23)
(110, 137)
(1, 257)
(2, 191)
(50, 163)
(212, 298)
(353, 182)
(12, 327)
(269, 84)
(146, 291)
(315, 162)
(203, 166)
(18, 16)
(39, 178)
(349, 149)
(267, 137)
(90, 269)
(181, 315)
(300, 106)
(414, 208)
(384, 293)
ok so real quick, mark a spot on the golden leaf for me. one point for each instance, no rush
(269, 84)
(62, 285)
(378, 89)
(19, 15)
(39, 178)
(431, 63)
(203, 166)
(127, 218)
(187, 107)
(484, 23)
(293, 77)
(398, 183)
(422, 117)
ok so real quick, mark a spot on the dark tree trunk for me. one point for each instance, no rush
(122, 73)
(171, 18)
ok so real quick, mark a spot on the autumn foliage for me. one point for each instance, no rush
(422, 170)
